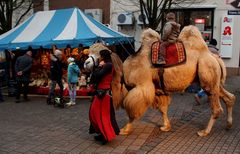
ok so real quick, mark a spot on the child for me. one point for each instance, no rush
(73, 73)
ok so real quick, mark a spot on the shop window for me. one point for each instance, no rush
(202, 18)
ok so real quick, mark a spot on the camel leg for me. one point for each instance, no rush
(136, 103)
(163, 103)
(216, 111)
(229, 100)
(127, 129)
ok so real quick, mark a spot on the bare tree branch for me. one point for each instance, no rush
(156, 9)
(22, 16)
(9, 7)
(17, 4)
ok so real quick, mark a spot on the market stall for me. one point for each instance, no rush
(65, 27)
(40, 81)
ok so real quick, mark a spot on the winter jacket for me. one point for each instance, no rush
(213, 49)
(73, 72)
(24, 64)
(171, 31)
(56, 67)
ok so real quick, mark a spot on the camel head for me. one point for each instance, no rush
(192, 38)
(149, 36)
(94, 55)
(96, 48)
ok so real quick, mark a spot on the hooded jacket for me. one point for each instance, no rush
(73, 72)
(171, 31)
(56, 68)
(213, 49)
(24, 64)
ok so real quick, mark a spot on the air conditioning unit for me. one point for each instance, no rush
(140, 19)
(95, 13)
(125, 18)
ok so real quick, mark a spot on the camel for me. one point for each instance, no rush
(140, 80)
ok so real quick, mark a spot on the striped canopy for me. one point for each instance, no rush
(60, 27)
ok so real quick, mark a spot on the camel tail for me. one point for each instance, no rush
(223, 69)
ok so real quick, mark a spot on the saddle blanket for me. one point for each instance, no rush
(175, 54)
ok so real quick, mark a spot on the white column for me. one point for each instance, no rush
(46, 5)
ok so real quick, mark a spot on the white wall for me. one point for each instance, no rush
(119, 6)
(222, 9)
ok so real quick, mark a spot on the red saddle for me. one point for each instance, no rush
(175, 54)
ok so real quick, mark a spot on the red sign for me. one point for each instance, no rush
(199, 21)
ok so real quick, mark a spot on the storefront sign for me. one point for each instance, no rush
(226, 36)
(233, 12)
(199, 21)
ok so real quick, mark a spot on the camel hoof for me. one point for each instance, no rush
(165, 128)
(124, 132)
(202, 133)
(229, 125)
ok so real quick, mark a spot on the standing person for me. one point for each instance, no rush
(56, 74)
(101, 113)
(73, 73)
(2, 73)
(22, 69)
(211, 47)
(171, 31)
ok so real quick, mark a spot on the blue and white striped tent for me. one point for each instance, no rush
(60, 27)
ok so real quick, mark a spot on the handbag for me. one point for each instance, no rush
(101, 93)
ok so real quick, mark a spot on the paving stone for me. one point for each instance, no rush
(35, 127)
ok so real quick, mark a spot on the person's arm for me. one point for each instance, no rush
(166, 31)
(76, 69)
(16, 65)
(26, 69)
(100, 72)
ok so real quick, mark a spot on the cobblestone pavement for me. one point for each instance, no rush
(34, 127)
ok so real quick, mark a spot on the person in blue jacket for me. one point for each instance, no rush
(73, 74)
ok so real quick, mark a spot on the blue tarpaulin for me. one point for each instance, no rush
(60, 27)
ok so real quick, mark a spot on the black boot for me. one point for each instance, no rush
(161, 60)
(98, 138)
(101, 139)
(49, 101)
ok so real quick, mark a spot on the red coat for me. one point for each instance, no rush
(102, 114)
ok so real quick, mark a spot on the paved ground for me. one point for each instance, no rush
(35, 127)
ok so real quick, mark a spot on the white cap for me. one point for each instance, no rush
(57, 52)
(70, 59)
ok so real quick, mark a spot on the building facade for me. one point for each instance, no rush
(214, 18)
(99, 9)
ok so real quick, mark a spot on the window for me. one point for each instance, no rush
(200, 17)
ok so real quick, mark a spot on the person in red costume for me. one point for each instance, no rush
(101, 113)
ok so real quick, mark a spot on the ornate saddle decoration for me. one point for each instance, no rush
(175, 54)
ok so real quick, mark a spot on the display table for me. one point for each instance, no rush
(83, 91)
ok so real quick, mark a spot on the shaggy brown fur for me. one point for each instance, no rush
(139, 74)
